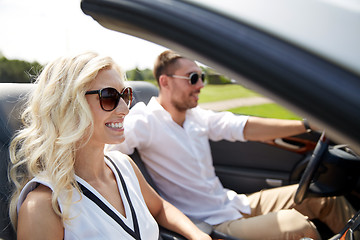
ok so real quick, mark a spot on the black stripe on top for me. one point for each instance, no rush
(136, 233)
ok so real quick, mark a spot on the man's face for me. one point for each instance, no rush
(185, 95)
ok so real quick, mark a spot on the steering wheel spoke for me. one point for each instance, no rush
(314, 163)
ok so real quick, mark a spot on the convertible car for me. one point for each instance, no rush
(302, 54)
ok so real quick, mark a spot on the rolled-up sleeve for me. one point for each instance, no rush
(224, 125)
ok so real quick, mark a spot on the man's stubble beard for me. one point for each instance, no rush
(183, 106)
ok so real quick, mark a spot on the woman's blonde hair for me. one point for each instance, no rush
(57, 120)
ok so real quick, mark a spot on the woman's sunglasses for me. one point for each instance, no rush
(193, 77)
(109, 97)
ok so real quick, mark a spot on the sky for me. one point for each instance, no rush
(42, 30)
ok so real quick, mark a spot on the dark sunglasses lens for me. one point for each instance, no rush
(194, 77)
(203, 77)
(109, 98)
(126, 95)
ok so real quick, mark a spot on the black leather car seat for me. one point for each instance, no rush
(10, 104)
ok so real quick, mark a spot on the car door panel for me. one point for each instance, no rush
(251, 166)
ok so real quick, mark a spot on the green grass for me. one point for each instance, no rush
(213, 93)
(270, 110)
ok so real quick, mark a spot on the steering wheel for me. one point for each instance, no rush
(311, 168)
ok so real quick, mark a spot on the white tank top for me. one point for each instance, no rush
(93, 217)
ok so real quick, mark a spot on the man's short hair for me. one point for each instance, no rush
(165, 63)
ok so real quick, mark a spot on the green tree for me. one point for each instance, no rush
(135, 74)
(139, 75)
(212, 77)
(17, 71)
(148, 74)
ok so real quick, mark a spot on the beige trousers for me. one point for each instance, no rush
(274, 215)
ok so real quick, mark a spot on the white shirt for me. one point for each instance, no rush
(90, 221)
(179, 158)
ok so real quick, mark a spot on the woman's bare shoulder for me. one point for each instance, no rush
(37, 218)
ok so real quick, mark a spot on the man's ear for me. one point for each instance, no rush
(164, 81)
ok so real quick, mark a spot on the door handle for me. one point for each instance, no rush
(282, 143)
(294, 144)
(274, 182)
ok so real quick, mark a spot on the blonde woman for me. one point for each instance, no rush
(66, 188)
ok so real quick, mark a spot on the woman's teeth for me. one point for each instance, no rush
(114, 125)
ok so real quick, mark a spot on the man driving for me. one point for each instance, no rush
(172, 136)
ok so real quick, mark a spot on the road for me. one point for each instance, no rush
(233, 103)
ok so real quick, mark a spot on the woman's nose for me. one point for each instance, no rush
(122, 107)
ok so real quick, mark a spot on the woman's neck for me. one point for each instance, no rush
(89, 162)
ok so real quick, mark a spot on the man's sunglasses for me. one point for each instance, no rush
(193, 77)
(109, 97)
